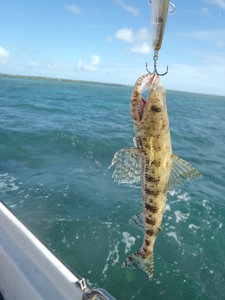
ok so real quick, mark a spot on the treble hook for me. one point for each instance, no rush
(155, 58)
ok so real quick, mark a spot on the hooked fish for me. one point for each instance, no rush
(152, 162)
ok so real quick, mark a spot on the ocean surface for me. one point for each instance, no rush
(57, 140)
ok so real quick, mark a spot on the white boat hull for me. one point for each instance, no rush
(28, 270)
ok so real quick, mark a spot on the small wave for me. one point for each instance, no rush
(184, 197)
(8, 183)
(167, 207)
(128, 240)
(220, 226)
(38, 108)
(13, 205)
(174, 235)
(179, 196)
(113, 256)
(107, 224)
(134, 186)
(193, 227)
(206, 205)
(172, 193)
(181, 217)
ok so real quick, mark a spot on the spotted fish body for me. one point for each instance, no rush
(154, 145)
(152, 162)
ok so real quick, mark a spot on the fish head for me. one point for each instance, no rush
(148, 111)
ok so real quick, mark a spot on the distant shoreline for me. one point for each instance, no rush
(61, 79)
(93, 82)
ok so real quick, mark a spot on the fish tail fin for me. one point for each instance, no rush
(141, 261)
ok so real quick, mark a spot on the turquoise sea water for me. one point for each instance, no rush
(57, 140)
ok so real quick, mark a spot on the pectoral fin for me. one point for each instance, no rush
(181, 170)
(127, 164)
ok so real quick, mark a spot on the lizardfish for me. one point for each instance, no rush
(152, 162)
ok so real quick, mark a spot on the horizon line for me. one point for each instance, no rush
(94, 82)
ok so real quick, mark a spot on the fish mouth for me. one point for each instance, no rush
(141, 96)
(141, 107)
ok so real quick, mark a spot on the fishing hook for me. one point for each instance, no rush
(155, 58)
(172, 9)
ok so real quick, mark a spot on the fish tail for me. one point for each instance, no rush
(142, 261)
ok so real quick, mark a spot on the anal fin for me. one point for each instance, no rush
(137, 221)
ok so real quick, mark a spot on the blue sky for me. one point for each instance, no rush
(110, 41)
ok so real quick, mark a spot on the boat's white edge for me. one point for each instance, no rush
(26, 264)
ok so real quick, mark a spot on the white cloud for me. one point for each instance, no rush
(213, 36)
(4, 56)
(49, 66)
(125, 35)
(128, 36)
(129, 8)
(143, 48)
(74, 9)
(207, 34)
(140, 39)
(109, 39)
(54, 66)
(143, 35)
(220, 3)
(205, 78)
(205, 11)
(34, 64)
(92, 66)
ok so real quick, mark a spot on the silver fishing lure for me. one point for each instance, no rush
(160, 10)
